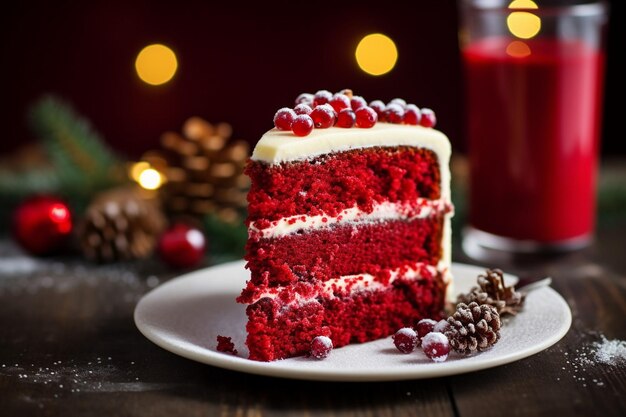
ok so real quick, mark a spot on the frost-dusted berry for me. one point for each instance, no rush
(304, 98)
(356, 102)
(394, 113)
(303, 109)
(379, 108)
(405, 340)
(302, 125)
(366, 117)
(323, 116)
(339, 102)
(321, 346)
(435, 345)
(284, 118)
(428, 118)
(399, 102)
(321, 97)
(412, 115)
(346, 118)
(442, 326)
(425, 326)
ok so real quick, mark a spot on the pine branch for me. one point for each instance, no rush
(80, 156)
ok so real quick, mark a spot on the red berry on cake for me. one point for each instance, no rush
(340, 102)
(303, 109)
(321, 346)
(412, 115)
(305, 98)
(284, 118)
(398, 101)
(346, 118)
(428, 118)
(302, 125)
(366, 117)
(405, 340)
(321, 97)
(356, 102)
(323, 116)
(424, 327)
(436, 346)
(394, 113)
(379, 107)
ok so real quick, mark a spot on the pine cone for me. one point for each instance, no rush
(492, 291)
(473, 327)
(120, 225)
(204, 170)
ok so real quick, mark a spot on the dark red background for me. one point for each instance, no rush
(237, 63)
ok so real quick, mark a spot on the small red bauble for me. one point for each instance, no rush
(42, 224)
(302, 125)
(182, 246)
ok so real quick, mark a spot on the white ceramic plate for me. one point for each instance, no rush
(186, 314)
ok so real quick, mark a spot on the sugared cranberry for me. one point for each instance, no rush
(323, 116)
(302, 125)
(412, 115)
(303, 109)
(428, 118)
(405, 340)
(425, 326)
(284, 118)
(340, 102)
(321, 97)
(394, 113)
(436, 346)
(305, 98)
(346, 118)
(321, 346)
(398, 101)
(356, 102)
(379, 108)
(442, 326)
(366, 117)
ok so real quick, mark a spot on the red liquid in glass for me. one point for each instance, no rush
(534, 124)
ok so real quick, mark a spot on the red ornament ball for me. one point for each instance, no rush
(182, 246)
(42, 224)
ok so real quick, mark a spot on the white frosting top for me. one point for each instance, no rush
(278, 146)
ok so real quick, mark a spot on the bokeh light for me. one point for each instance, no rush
(150, 179)
(376, 54)
(522, 24)
(156, 64)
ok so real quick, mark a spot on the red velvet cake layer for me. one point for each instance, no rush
(330, 183)
(348, 249)
(276, 331)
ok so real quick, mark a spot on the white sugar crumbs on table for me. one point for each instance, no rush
(590, 355)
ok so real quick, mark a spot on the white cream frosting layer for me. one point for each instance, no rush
(384, 211)
(352, 284)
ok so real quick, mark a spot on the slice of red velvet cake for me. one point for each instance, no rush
(349, 235)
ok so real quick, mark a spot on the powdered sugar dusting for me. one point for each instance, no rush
(611, 352)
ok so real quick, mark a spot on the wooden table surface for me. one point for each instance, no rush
(69, 347)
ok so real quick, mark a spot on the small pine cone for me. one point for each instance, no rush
(120, 224)
(491, 290)
(473, 327)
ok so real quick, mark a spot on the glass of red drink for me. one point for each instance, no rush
(534, 78)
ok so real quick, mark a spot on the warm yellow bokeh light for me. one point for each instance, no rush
(137, 168)
(156, 64)
(523, 4)
(524, 25)
(150, 179)
(376, 54)
(517, 49)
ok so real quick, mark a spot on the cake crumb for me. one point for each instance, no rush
(226, 345)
